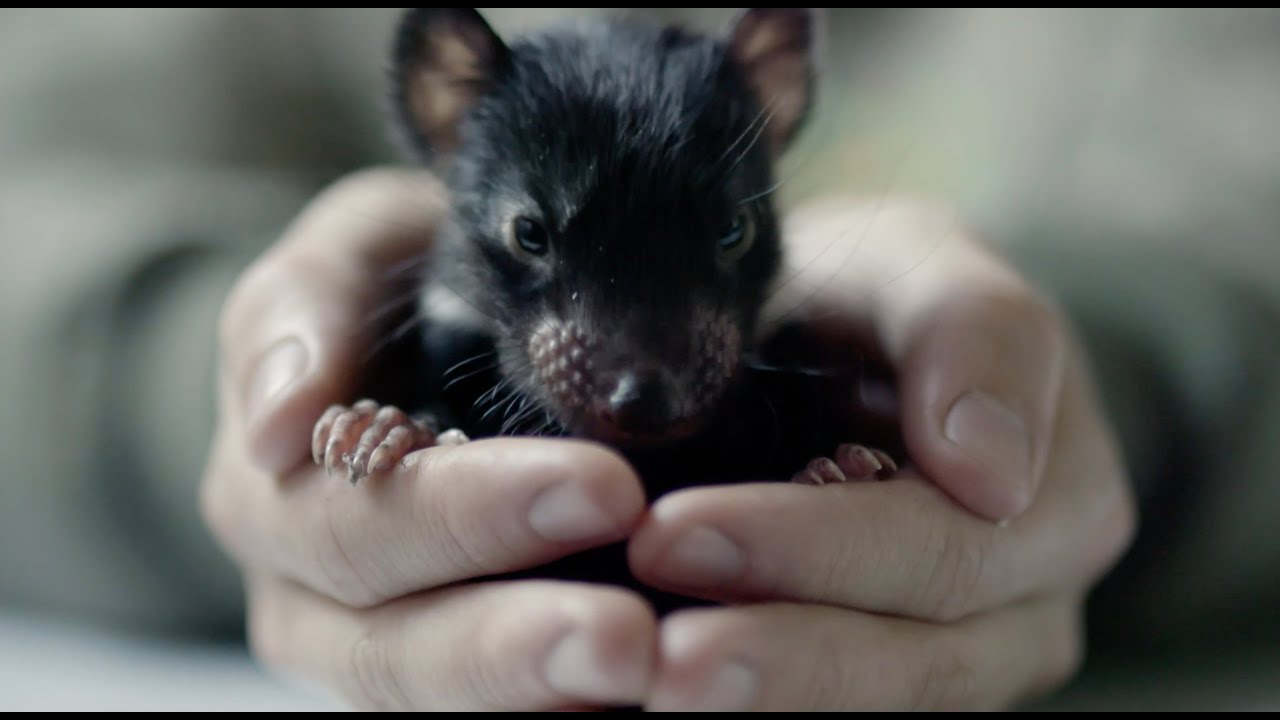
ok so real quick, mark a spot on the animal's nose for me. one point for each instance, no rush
(639, 404)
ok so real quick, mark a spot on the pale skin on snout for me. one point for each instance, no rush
(904, 594)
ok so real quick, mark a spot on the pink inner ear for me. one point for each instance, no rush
(448, 82)
(449, 59)
(773, 46)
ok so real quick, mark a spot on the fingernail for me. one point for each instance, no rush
(996, 438)
(703, 558)
(731, 684)
(732, 688)
(563, 513)
(280, 366)
(573, 668)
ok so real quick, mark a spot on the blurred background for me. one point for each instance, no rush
(147, 155)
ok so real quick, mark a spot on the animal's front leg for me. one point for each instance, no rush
(370, 439)
(852, 463)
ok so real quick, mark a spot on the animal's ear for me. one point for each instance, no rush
(444, 61)
(774, 47)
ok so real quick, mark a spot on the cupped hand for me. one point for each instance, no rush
(960, 582)
(363, 590)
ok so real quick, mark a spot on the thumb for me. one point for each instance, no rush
(978, 354)
(294, 331)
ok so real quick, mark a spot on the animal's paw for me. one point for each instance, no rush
(853, 463)
(369, 439)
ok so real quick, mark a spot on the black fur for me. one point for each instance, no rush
(634, 146)
(622, 138)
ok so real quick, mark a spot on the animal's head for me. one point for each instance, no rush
(611, 188)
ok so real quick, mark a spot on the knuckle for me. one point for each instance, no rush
(335, 560)
(437, 539)
(1120, 528)
(883, 682)
(275, 631)
(266, 635)
(955, 567)
(213, 510)
(1063, 652)
(219, 510)
(901, 678)
(830, 575)
(487, 671)
(944, 681)
(373, 673)
(455, 542)
(1111, 528)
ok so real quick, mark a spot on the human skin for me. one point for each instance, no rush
(959, 583)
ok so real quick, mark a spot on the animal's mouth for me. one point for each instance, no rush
(611, 434)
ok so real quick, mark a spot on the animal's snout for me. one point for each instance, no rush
(640, 404)
(630, 386)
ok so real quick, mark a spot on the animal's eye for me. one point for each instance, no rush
(528, 235)
(738, 234)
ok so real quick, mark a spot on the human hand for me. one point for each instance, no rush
(906, 594)
(362, 589)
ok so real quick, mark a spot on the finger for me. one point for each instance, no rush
(899, 546)
(296, 328)
(492, 646)
(981, 373)
(816, 658)
(449, 514)
(979, 354)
